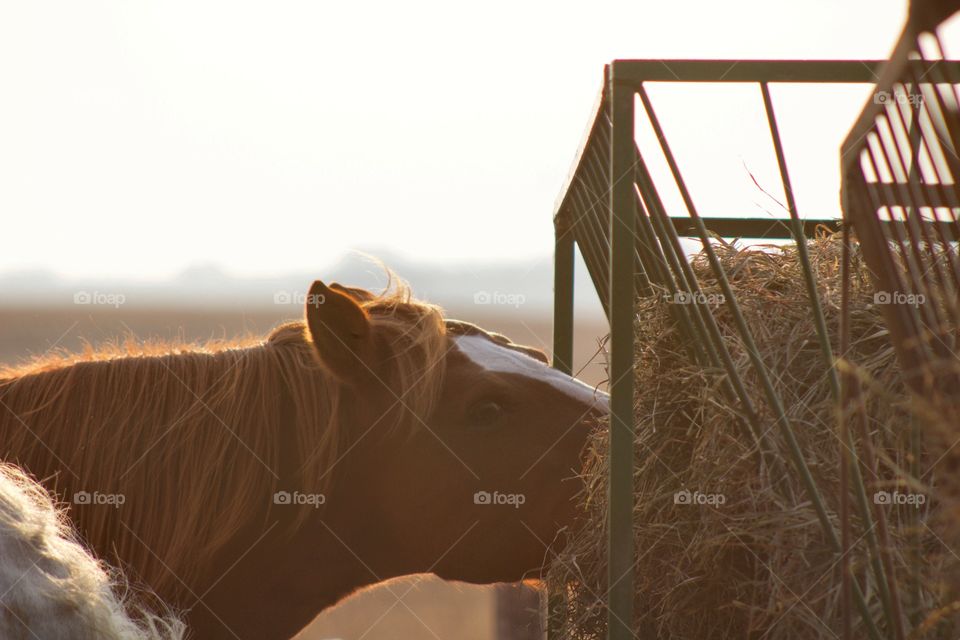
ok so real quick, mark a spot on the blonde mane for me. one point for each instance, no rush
(51, 586)
(191, 436)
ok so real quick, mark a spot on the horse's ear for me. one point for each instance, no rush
(340, 331)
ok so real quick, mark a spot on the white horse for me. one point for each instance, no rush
(51, 588)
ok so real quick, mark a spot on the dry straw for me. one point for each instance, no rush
(728, 546)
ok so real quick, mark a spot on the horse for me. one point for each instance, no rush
(251, 483)
(50, 586)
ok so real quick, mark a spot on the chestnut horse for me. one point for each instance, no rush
(252, 484)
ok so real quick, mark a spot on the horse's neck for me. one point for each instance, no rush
(284, 581)
(258, 570)
(287, 580)
(84, 446)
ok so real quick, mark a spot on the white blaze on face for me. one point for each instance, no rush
(498, 358)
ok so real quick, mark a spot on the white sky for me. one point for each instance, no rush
(138, 138)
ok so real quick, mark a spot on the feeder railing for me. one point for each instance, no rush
(611, 209)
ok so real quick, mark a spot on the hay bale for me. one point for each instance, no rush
(748, 558)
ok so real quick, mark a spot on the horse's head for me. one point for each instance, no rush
(466, 447)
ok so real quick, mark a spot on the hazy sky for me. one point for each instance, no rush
(137, 138)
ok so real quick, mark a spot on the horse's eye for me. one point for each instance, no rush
(484, 414)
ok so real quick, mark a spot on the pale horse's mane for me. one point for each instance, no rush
(189, 433)
(51, 587)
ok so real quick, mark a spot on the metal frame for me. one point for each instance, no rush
(610, 209)
(899, 163)
(884, 178)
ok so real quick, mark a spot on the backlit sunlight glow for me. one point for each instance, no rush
(141, 139)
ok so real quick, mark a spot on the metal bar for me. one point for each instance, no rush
(800, 236)
(705, 322)
(563, 299)
(599, 113)
(859, 201)
(846, 573)
(649, 253)
(597, 182)
(884, 149)
(943, 86)
(849, 460)
(767, 229)
(594, 169)
(780, 229)
(588, 199)
(648, 246)
(622, 223)
(636, 72)
(687, 281)
(852, 402)
(563, 287)
(773, 399)
(941, 171)
(694, 339)
(887, 76)
(919, 234)
(643, 284)
(593, 244)
(595, 250)
(931, 195)
(923, 316)
(761, 228)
